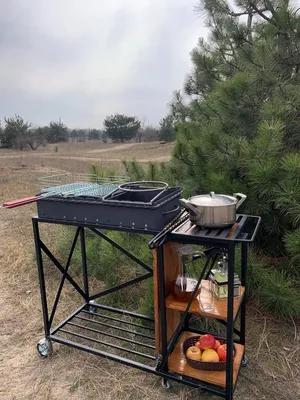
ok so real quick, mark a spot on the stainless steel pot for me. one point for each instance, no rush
(213, 210)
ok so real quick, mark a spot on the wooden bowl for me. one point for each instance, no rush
(207, 366)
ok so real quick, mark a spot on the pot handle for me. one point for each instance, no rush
(242, 199)
(187, 204)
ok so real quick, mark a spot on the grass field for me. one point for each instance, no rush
(273, 347)
(76, 157)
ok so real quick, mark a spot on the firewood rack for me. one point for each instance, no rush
(153, 345)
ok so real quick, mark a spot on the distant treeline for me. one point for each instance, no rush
(20, 134)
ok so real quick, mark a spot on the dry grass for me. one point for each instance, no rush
(273, 347)
(76, 157)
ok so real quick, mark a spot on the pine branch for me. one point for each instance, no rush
(201, 110)
(210, 73)
(215, 112)
(249, 27)
(228, 62)
(216, 26)
(261, 13)
(183, 160)
(181, 157)
(269, 7)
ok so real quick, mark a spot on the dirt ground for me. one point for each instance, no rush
(273, 347)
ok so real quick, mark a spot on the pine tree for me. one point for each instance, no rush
(240, 130)
(57, 132)
(120, 128)
(16, 133)
(166, 129)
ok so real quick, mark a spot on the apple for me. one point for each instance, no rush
(207, 342)
(217, 345)
(222, 351)
(210, 355)
(198, 344)
(194, 353)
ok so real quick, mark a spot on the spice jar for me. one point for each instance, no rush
(219, 278)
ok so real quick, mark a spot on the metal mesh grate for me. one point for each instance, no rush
(82, 189)
(75, 185)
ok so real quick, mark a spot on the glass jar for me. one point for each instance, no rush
(206, 297)
(219, 278)
(221, 289)
(184, 285)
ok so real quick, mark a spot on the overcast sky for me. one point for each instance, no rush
(84, 59)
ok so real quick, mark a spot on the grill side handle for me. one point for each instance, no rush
(176, 209)
(20, 202)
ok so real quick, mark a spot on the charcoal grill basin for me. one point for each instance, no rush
(127, 215)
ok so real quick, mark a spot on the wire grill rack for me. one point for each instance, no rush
(70, 185)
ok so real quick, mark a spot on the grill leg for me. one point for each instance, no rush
(243, 283)
(243, 307)
(41, 276)
(84, 265)
(229, 362)
(162, 306)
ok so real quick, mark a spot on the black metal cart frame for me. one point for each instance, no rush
(184, 322)
(88, 308)
(88, 299)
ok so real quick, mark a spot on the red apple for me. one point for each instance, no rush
(217, 345)
(222, 351)
(207, 342)
(210, 355)
(194, 353)
(197, 344)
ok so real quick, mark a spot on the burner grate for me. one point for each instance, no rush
(244, 230)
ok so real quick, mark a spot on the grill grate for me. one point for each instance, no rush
(82, 189)
(78, 185)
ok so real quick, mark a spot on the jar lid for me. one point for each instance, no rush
(212, 200)
(222, 281)
(185, 249)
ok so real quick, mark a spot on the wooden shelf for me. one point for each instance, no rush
(220, 311)
(177, 363)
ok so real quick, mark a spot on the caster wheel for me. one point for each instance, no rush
(244, 362)
(91, 308)
(165, 384)
(44, 347)
(158, 361)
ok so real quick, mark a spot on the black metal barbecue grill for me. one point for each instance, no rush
(111, 201)
(133, 206)
(154, 345)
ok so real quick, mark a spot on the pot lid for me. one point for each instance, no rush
(212, 199)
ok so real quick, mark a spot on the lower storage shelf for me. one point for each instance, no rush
(109, 332)
(178, 364)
